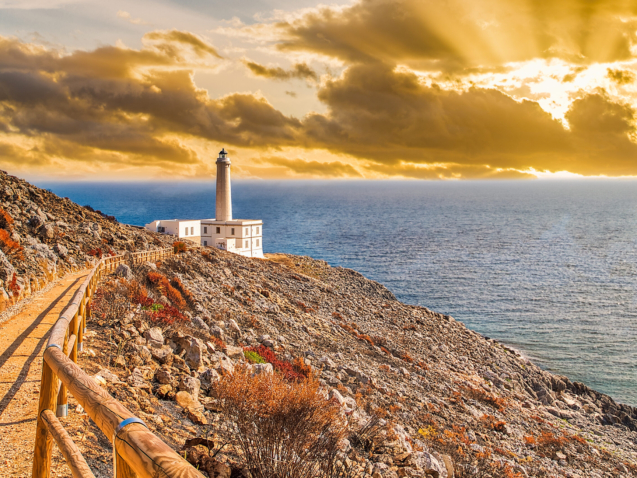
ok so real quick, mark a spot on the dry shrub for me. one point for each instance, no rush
(10, 247)
(369, 436)
(111, 300)
(284, 429)
(281, 259)
(6, 221)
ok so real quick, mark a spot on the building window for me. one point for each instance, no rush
(247, 231)
(247, 245)
(205, 230)
(257, 230)
(218, 230)
(257, 242)
(192, 231)
(186, 232)
(205, 243)
(232, 231)
(238, 244)
(161, 229)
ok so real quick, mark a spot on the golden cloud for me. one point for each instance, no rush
(299, 71)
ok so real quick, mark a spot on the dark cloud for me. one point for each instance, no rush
(386, 115)
(332, 169)
(621, 77)
(299, 71)
(460, 34)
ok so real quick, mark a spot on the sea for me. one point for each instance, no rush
(548, 267)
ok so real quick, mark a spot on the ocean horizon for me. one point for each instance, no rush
(546, 267)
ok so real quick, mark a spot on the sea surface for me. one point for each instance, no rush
(547, 267)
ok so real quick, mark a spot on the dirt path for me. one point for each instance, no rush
(22, 340)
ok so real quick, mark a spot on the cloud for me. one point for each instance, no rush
(459, 34)
(127, 16)
(621, 77)
(299, 71)
(333, 169)
(166, 40)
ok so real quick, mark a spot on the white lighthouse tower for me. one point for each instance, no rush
(224, 195)
(241, 236)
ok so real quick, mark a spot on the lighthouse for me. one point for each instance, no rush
(224, 195)
(241, 236)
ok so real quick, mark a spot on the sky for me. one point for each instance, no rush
(368, 89)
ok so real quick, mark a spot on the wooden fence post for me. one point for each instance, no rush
(62, 409)
(43, 439)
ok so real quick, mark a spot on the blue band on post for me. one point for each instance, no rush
(53, 345)
(126, 422)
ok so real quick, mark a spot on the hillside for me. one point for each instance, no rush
(43, 236)
(418, 394)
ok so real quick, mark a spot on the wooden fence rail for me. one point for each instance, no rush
(136, 450)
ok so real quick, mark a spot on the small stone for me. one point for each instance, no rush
(190, 385)
(185, 400)
(235, 353)
(196, 416)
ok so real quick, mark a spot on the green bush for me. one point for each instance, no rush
(253, 357)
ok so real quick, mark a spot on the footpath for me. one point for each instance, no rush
(22, 341)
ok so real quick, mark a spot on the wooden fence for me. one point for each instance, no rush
(136, 450)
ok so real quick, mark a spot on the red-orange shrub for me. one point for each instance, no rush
(10, 247)
(288, 370)
(13, 285)
(161, 283)
(186, 294)
(97, 252)
(179, 247)
(6, 221)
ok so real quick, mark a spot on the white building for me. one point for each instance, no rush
(241, 236)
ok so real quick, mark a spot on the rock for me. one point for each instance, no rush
(208, 377)
(47, 232)
(235, 353)
(109, 376)
(196, 416)
(163, 376)
(125, 272)
(6, 269)
(225, 365)
(448, 462)
(164, 390)
(217, 331)
(136, 379)
(190, 385)
(259, 368)
(61, 251)
(200, 324)
(194, 348)
(163, 354)
(185, 400)
(154, 336)
(428, 463)
(233, 326)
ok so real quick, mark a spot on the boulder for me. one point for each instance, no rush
(194, 348)
(429, 464)
(136, 379)
(163, 376)
(163, 354)
(154, 336)
(190, 385)
(235, 353)
(200, 324)
(208, 377)
(61, 251)
(225, 365)
(47, 232)
(185, 400)
(124, 271)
